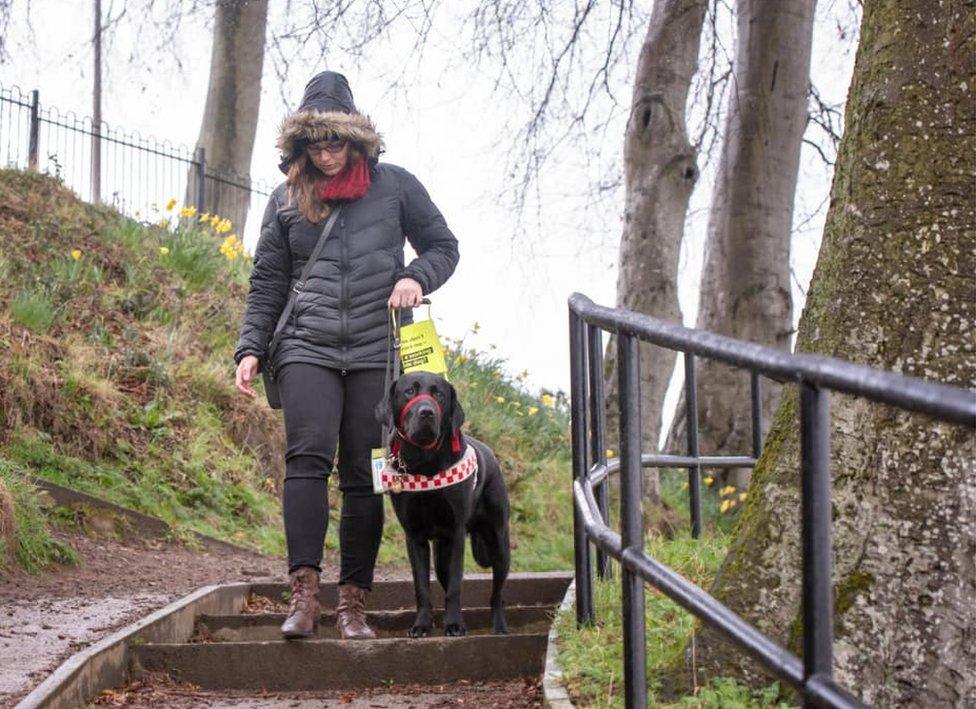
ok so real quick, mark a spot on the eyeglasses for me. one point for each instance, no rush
(328, 146)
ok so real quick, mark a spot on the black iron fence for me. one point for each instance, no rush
(137, 175)
(816, 376)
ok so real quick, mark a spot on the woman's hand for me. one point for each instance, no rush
(246, 370)
(407, 293)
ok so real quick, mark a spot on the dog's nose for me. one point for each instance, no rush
(426, 413)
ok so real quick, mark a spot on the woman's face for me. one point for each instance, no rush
(328, 156)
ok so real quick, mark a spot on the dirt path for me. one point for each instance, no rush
(45, 619)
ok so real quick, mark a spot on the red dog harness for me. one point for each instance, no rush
(395, 481)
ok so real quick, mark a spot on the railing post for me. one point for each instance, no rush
(631, 520)
(818, 602)
(33, 131)
(694, 472)
(200, 160)
(756, 414)
(598, 434)
(581, 545)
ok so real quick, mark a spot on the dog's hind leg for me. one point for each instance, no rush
(501, 560)
(449, 564)
(419, 553)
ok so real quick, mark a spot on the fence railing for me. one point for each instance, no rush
(816, 376)
(137, 174)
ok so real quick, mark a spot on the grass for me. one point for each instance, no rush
(592, 657)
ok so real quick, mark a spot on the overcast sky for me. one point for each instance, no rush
(449, 128)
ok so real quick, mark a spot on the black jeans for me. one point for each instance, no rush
(323, 407)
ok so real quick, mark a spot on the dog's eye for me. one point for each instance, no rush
(438, 395)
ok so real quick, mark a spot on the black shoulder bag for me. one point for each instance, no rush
(267, 370)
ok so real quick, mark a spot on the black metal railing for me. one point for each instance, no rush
(137, 175)
(816, 376)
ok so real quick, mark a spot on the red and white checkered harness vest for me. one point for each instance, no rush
(457, 473)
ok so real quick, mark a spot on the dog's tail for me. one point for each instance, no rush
(480, 549)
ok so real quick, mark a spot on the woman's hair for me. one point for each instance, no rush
(303, 181)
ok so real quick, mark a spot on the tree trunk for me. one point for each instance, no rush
(745, 290)
(893, 288)
(660, 172)
(230, 116)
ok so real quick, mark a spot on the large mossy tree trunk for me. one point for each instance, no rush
(660, 170)
(745, 288)
(230, 115)
(893, 288)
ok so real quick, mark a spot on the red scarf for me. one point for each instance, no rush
(351, 183)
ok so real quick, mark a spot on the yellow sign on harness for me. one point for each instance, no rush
(420, 348)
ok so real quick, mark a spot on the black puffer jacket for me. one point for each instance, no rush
(340, 318)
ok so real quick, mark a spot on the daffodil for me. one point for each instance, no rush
(205, 217)
(163, 250)
(500, 399)
(188, 212)
(708, 480)
(170, 205)
(76, 254)
(742, 497)
(164, 223)
(684, 485)
(548, 400)
(533, 410)
(610, 453)
(222, 226)
(724, 507)
(727, 490)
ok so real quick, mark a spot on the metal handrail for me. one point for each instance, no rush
(817, 376)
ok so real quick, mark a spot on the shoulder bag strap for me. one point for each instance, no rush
(300, 283)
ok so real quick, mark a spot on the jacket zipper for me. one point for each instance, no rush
(343, 288)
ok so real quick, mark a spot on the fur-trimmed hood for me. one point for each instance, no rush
(327, 109)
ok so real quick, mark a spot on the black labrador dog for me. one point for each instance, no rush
(424, 416)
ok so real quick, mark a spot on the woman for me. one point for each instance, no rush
(332, 355)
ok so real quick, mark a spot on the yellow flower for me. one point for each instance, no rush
(205, 217)
(163, 250)
(500, 399)
(708, 480)
(610, 453)
(533, 410)
(460, 359)
(724, 506)
(170, 205)
(164, 223)
(742, 497)
(727, 490)
(548, 400)
(214, 220)
(189, 212)
(684, 485)
(516, 404)
(76, 254)
(222, 226)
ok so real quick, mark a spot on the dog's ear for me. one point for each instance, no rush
(457, 413)
(384, 408)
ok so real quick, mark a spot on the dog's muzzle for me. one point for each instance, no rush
(426, 419)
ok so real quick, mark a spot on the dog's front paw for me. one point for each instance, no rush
(454, 630)
(419, 631)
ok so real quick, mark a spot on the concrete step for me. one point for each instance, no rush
(386, 623)
(333, 664)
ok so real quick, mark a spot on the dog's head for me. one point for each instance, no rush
(423, 407)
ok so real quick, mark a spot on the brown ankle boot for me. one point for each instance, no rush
(351, 613)
(303, 609)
